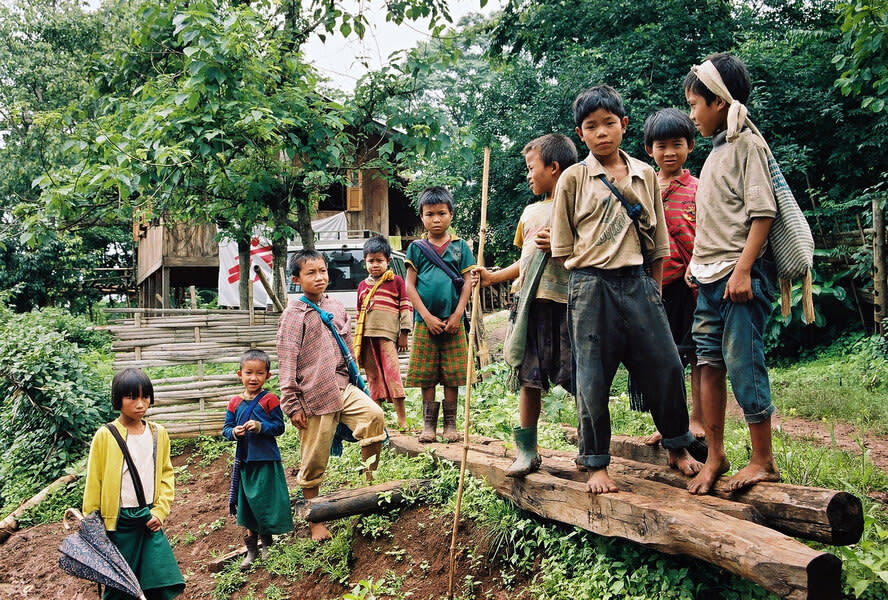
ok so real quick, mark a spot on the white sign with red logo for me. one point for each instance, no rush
(229, 270)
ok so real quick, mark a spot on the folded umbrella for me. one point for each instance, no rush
(89, 554)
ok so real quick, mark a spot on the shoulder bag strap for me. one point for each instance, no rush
(634, 211)
(429, 252)
(354, 374)
(137, 481)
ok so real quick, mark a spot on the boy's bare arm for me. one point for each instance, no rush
(739, 288)
(434, 324)
(657, 272)
(453, 321)
(489, 278)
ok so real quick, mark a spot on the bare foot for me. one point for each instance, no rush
(697, 429)
(319, 532)
(752, 474)
(711, 471)
(600, 482)
(682, 460)
(653, 439)
(402, 424)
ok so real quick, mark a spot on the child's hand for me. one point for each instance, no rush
(299, 420)
(239, 431)
(483, 275)
(688, 279)
(402, 342)
(436, 325)
(475, 276)
(739, 288)
(451, 326)
(543, 240)
(252, 425)
(153, 524)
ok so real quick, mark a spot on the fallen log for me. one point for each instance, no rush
(383, 497)
(9, 524)
(822, 515)
(670, 520)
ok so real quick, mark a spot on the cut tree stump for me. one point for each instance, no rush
(817, 514)
(380, 498)
(663, 517)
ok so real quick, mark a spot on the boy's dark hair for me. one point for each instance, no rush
(435, 195)
(733, 72)
(668, 124)
(378, 244)
(600, 96)
(130, 382)
(298, 258)
(254, 354)
(553, 147)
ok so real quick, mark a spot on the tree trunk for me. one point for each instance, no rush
(245, 274)
(880, 285)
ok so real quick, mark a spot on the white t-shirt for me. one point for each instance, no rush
(141, 449)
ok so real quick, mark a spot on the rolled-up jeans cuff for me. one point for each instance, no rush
(708, 361)
(682, 441)
(594, 461)
(760, 416)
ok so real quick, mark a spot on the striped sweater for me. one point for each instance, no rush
(389, 311)
(681, 219)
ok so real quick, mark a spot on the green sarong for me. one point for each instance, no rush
(263, 500)
(149, 555)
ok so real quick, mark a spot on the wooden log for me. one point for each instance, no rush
(9, 524)
(823, 515)
(672, 521)
(379, 498)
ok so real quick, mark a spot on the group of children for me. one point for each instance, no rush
(619, 264)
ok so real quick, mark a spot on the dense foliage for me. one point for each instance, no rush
(52, 398)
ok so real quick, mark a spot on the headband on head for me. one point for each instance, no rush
(737, 113)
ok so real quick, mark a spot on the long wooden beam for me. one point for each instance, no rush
(667, 519)
(382, 497)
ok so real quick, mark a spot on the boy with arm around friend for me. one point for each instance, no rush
(440, 348)
(315, 390)
(735, 279)
(546, 356)
(614, 309)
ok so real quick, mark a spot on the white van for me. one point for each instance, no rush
(345, 264)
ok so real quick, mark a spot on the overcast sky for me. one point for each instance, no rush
(340, 59)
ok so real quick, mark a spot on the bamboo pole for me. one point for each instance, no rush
(470, 368)
(268, 290)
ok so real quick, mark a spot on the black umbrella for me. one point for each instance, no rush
(90, 555)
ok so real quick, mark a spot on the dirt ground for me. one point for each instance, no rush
(417, 551)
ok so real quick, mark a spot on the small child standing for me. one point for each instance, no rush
(259, 494)
(436, 268)
(668, 139)
(546, 355)
(735, 209)
(385, 318)
(614, 309)
(315, 389)
(130, 481)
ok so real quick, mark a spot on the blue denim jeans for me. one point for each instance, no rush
(729, 336)
(617, 316)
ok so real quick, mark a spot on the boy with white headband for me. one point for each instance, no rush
(735, 209)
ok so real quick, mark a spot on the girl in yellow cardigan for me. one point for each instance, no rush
(134, 496)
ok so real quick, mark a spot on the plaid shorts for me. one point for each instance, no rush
(437, 359)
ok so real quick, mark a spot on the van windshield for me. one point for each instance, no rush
(346, 270)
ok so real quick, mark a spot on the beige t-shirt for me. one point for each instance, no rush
(553, 281)
(735, 187)
(590, 227)
(141, 448)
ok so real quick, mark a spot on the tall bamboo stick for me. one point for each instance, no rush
(470, 366)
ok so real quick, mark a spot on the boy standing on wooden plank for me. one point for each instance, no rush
(385, 318)
(539, 334)
(436, 268)
(608, 225)
(315, 389)
(735, 209)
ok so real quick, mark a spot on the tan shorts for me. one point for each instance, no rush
(359, 413)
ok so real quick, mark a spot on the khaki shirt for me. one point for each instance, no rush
(553, 281)
(735, 187)
(590, 227)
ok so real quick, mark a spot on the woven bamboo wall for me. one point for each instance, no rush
(194, 405)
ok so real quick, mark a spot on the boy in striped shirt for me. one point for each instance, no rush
(668, 139)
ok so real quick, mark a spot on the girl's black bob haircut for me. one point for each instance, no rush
(668, 124)
(130, 382)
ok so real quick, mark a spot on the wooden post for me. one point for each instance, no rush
(268, 290)
(880, 286)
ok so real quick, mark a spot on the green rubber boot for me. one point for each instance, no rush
(528, 459)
